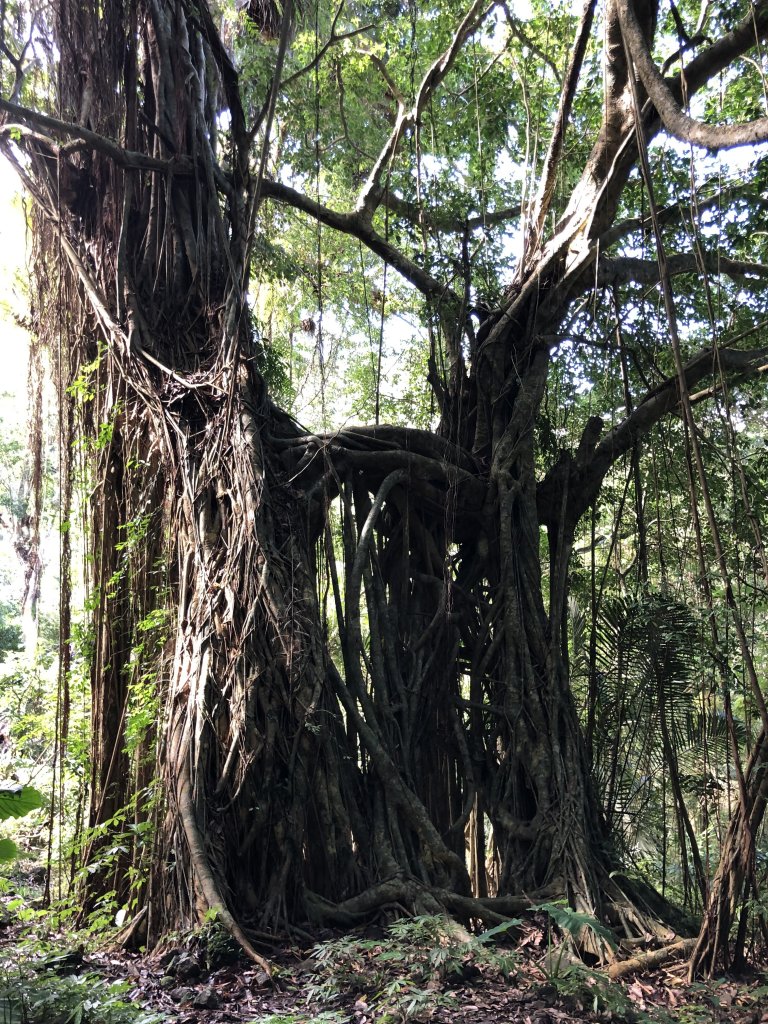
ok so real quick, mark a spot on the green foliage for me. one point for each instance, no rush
(575, 922)
(402, 972)
(654, 714)
(593, 991)
(11, 638)
(29, 996)
(8, 850)
(83, 388)
(567, 976)
(129, 832)
(571, 978)
(15, 802)
(28, 704)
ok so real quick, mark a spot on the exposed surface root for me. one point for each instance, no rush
(650, 958)
(208, 884)
(630, 916)
(410, 896)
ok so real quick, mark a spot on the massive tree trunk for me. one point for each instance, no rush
(280, 791)
(340, 646)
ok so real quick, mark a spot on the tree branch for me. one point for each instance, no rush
(389, 81)
(348, 223)
(716, 58)
(673, 214)
(65, 129)
(630, 269)
(333, 38)
(650, 958)
(373, 191)
(584, 477)
(675, 120)
(359, 227)
(594, 200)
(522, 36)
(568, 91)
(443, 222)
(18, 62)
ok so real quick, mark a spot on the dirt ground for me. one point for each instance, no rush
(362, 986)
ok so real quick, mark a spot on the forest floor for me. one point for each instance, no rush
(527, 997)
(411, 973)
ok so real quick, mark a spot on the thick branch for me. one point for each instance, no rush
(359, 227)
(675, 120)
(716, 58)
(584, 480)
(595, 198)
(630, 269)
(66, 130)
(428, 474)
(387, 438)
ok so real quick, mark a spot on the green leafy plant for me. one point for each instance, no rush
(402, 973)
(29, 996)
(591, 990)
(15, 802)
(574, 923)
(575, 980)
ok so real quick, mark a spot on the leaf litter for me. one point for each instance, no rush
(177, 985)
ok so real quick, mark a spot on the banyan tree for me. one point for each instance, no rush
(331, 670)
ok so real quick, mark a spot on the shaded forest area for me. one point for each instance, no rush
(408, 460)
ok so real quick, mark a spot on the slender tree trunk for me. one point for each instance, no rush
(735, 869)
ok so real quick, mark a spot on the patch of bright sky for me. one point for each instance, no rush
(523, 9)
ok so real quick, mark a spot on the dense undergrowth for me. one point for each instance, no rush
(55, 968)
(29, 996)
(424, 969)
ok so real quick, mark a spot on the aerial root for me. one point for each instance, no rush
(205, 877)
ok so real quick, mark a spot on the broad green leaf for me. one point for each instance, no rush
(572, 921)
(498, 929)
(8, 850)
(16, 801)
